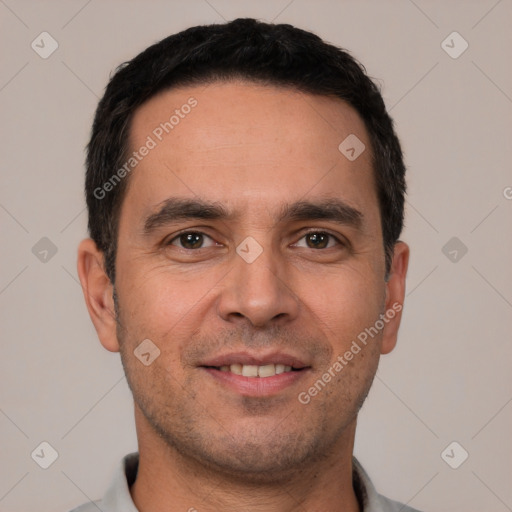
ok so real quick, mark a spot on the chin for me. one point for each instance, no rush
(260, 455)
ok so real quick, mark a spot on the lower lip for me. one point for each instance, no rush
(257, 386)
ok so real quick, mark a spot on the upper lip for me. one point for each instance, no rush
(255, 359)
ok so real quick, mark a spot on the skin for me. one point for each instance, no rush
(251, 148)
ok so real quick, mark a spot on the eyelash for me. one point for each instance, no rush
(319, 232)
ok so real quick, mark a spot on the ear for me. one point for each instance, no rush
(98, 293)
(395, 295)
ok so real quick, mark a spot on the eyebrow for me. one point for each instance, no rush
(175, 208)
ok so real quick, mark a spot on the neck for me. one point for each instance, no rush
(168, 481)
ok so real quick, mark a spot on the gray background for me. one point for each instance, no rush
(449, 377)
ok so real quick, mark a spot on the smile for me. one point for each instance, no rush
(253, 370)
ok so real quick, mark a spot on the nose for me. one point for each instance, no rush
(260, 292)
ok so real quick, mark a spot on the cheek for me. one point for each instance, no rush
(161, 304)
(345, 301)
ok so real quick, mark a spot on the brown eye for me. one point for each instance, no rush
(319, 240)
(191, 240)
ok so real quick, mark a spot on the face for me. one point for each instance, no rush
(249, 243)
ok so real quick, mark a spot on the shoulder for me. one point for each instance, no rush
(117, 497)
(387, 505)
(368, 496)
(92, 506)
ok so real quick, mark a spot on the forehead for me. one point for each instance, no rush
(248, 146)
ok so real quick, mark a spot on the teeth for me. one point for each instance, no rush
(267, 371)
(252, 370)
(249, 370)
(236, 368)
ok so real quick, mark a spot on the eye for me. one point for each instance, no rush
(319, 240)
(192, 240)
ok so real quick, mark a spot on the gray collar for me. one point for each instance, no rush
(118, 498)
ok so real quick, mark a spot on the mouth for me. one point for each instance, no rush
(257, 371)
(251, 375)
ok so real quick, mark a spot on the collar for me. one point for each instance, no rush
(118, 497)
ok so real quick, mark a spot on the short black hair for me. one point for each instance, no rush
(270, 54)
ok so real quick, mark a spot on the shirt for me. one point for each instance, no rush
(118, 498)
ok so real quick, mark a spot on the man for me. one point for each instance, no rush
(245, 191)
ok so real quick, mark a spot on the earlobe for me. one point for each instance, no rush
(98, 293)
(395, 295)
